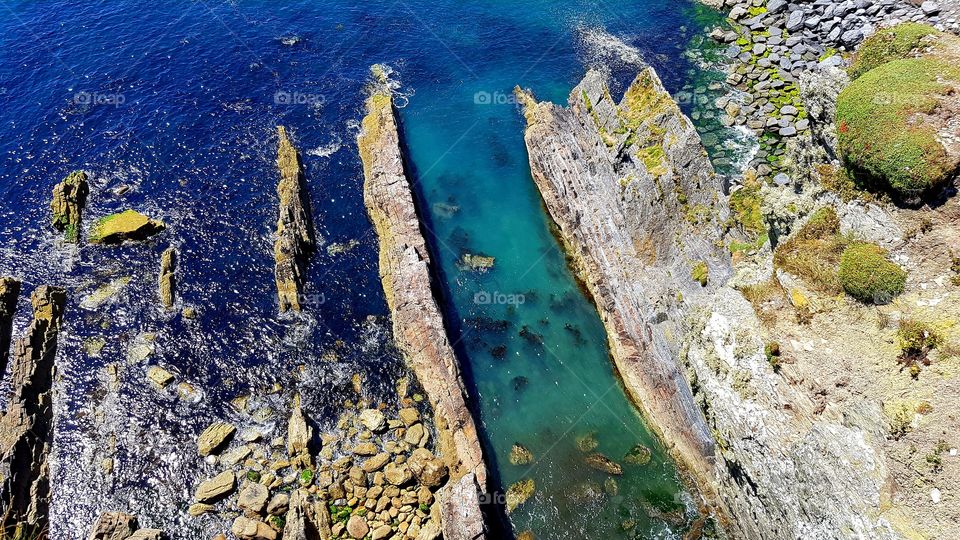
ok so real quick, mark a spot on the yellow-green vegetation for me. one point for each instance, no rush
(642, 106)
(840, 181)
(814, 252)
(882, 135)
(867, 275)
(700, 273)
(745, 208)
(916, 339)
(900, 414)
(955, 268)
(126, 225)
(653, 158)
(379, 107)
(888, 44)
(772, 351)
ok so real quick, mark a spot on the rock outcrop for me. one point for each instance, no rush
(128, 225)
(26, 430)
(69, 198)
(9, 292)
(642, 215)
(417, 324)
(295, 238)
(168, 278)
(122, 526)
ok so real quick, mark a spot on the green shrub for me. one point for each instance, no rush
(867, 275)
(813, 252)
(878, 134)
(889, 44)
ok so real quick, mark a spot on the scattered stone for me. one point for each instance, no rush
(519, 455)
(216, 488)
(251, 529)
(254, 498)
(374, 420)
(357, 527)
(409, 416)
(127, 225)
(159, 376)
(214, 438)
(416, 435)
(114, 526)
(198, 509)
(278, 504)
(376, 463)
(429, 470)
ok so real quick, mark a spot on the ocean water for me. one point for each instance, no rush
(177, 103)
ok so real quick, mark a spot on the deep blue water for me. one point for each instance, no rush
(179, 102)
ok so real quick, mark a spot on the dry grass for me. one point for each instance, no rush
(813, 253)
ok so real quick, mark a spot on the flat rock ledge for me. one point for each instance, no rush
(417, 324)
(295, 238)
(26, 429)
(642, 215)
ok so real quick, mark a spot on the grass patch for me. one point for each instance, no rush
(767, 299)
(890, 44)
(813, 253)
(878, 135)
(867, 275)
(700, 273)
(745, 205)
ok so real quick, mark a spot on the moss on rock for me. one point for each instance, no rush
(889, 44)
(814, 251)
(867, 275)
(126, 225)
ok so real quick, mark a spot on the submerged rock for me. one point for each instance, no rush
(121, 227)
(518, 493)
(295, 238)
(168, 277)
(104, 294)
(519, 455)
(477, 263)
(602, 463)
(69, 199)
(638, 455)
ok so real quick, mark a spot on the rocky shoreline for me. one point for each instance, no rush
(418, 325)
(645, 223)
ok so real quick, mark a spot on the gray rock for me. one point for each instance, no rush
(759, 48)
(254, 498)
(781, 179)
(788, 109)
(930, 8)
(776, 6)
(794, 21)
(803, 124)
(788, 131)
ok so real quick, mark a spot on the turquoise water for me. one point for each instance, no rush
(179, 101)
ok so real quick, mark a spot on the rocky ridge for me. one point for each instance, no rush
(417, 324)
(295, 237)
(645, 228)
(26, 428)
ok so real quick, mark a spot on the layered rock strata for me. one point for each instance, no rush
(641, 213)
(168, 278)
(295, 238)
(26, 430)
(9, 291)
(417, 324)
(69, 198)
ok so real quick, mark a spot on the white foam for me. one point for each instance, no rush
(603, 46)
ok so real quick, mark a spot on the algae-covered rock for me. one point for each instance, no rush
(121, 227)
(638, 455)
(602, 463)
(476, 263)
(69, 198)
(519, 455)
(518, 493)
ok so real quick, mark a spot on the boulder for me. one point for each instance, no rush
(373, 419)
(429, 470)
(121, 227)
(299, 433)
(251, 529)
(519, 455)
(254, 498)
(398, 475)
(212, 439)
(602, 463)
(357, 527)
(114, 526)
(376, 462)
(216, 488)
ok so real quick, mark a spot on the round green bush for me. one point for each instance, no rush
(867, 275)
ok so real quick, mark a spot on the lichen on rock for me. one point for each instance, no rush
(128, 225)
